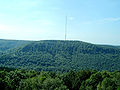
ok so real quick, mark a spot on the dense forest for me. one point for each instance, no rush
(58, 65)
(12, 79)
(57, 55)
(11, 44)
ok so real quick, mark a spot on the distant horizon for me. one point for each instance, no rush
(62, 40)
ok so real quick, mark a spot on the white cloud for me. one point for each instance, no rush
(102, 21)
(71, 18)
(111, 19)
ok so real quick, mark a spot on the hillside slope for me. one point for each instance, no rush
(62, 56)
(10, 44)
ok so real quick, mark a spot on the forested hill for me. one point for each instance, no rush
(10, 44)
(56, 55)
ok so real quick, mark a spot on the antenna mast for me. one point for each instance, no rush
(66, 28)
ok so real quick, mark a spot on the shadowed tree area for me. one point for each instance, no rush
(72, 80)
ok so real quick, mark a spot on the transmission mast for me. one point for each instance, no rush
(66, 28)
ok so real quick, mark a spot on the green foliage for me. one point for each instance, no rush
(108, 84)
(10, 44)
(46, 66)
(60, 56)
(72, 80)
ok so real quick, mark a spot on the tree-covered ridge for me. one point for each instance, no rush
(69, 46)
(10, 44)
(72, 80)
(51, 55)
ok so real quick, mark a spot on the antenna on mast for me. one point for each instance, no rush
(66, 28)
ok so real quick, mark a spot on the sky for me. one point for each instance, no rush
(94, 21)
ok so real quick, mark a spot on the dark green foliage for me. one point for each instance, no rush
(61, 56)
(7, 69)
(72, 80)
(3, 73)
(94, 80)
